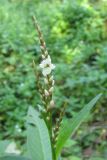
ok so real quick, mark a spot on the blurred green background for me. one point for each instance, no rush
(76, 35)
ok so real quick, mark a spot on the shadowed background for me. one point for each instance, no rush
(76, 37)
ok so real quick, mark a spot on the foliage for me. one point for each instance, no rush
(39, 145)
(76, 35)
(3, 146)
(12, 157)
(38, 138)
(69, 127)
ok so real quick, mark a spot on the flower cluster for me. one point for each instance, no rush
(47, 66)
(46, 90)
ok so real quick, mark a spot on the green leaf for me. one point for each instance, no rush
(74, 158)
(68, 127)
(3, 146)
(38, 140)
(11, 157)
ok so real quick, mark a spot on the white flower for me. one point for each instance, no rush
(47, 66)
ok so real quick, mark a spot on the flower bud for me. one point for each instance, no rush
(43, 57)
(53, 82)
(42, 48)
(51, 89)
(51, 78)
(44, 111)
(46, 53)
(54, 129)
(45, 80)
(41, 109)
(52, 104)
(57, 120)
(48, 118)
(56, 139)
(57, 127)
(46, 93)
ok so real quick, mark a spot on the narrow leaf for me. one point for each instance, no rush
(68, 127)
(38, 140)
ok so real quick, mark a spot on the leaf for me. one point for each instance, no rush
(38, 140)
(69, 143)
(74, 158)
(68, 127)
(12, 148)
(3, 145)
(11, 157)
